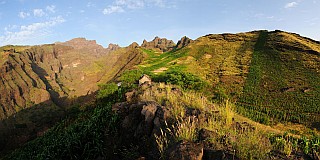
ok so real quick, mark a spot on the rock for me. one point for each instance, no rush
(205, 134)
(145, 79)
(152, 119)
(305, 90)
(184, 41)
(185, 151)
(193, 112)
(130, 95)
(134, 45)
(287, 89)
(113, 47)
(162, 115)
(149, 111)
(210, 154)
(161, 44)
(79, 43)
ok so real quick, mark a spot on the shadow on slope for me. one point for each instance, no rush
(33, 122)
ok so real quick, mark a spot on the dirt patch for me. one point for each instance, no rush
(160, 70)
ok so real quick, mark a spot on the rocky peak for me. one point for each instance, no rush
(161, 44)
(144, 43)
(113, 47)
(79, 43)
(134, 45)
(184, 41)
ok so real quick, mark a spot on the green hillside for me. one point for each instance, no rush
(218, 81)
(269, 81)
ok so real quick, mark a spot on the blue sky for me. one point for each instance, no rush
(29, 22)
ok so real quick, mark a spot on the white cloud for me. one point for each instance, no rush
(121, 5)
(25, 33)
(51, 8)
(113, 9)
(38, 12)
(90, 4)
(131, 4)
(291, 5)
(24, 15)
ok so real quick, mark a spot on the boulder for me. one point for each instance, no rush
(210, 154)
(149, 111)
(185, 151)
(205, 134)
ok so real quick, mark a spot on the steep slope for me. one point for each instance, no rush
(283, 83)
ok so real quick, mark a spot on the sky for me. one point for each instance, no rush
(31, 22)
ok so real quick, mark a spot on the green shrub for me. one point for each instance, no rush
(106, 90)
(129, 78)
(183, 79)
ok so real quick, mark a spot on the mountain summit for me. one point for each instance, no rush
(161, 44)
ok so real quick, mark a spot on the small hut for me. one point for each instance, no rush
(145, 79)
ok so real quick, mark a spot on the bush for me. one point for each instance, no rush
(183, 79)
(106, 90)
(129, 78)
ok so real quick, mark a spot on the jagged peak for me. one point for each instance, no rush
(184, 41)
(158, 43)
(113, 47)
(134, 45)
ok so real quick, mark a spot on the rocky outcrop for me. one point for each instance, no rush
(160, 44)
(185, 151)
(113, 47)
(134, 45)
(184, 41)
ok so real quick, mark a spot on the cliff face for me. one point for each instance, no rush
(20, 85)
(54, 73)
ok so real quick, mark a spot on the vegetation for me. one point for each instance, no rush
(79, 137)
(183, 79)
(205, 87)
(266, 96)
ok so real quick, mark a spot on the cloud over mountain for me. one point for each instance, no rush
(23, 33)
